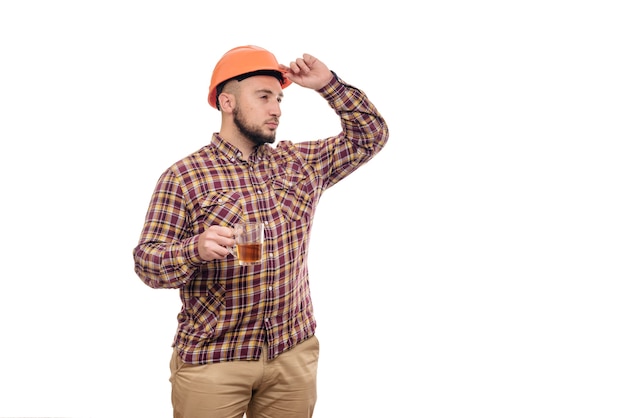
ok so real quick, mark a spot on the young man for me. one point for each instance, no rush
(245, 341)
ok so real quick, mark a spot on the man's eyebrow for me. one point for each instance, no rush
(268, 91)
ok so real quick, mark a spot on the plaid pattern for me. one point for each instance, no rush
(228, 311)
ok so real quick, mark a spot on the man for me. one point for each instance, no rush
(245, 342)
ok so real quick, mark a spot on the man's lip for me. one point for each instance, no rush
(273, 124)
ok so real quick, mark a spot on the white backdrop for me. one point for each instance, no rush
(475, 267)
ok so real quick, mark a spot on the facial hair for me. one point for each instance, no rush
(254, 134)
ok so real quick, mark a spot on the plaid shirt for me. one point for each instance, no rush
(229, 311)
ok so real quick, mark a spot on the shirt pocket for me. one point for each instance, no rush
(293, 193)
(222, 207)
(203, 310)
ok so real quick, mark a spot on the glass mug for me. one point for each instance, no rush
(249, 239)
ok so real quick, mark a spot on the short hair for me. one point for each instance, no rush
(220, 87)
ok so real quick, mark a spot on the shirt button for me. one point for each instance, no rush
(270, 255)
(270, 288)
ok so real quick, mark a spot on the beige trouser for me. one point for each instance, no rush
(285, 387)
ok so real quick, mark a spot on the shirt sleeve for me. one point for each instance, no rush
(364, 134)
(166, 256)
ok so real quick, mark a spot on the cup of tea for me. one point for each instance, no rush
(249, 239)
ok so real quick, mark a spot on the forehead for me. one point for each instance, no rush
(262, 83)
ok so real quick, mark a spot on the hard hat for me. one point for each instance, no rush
(244, 61)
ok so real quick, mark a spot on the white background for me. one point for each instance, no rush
(474, 268)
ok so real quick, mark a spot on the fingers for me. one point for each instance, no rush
(215, 242)
(214, 251)
(309, 72)
(225, 236)
(302, 65)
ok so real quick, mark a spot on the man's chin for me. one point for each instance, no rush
(265, 140)
(269, 139)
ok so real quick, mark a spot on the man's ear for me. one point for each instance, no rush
(227, 102)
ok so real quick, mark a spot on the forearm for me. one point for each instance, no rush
(166, 265)
(167, 254)
(360, 120)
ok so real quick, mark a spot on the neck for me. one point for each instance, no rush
(234, 137)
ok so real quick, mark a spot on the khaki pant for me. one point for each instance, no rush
(285, 387)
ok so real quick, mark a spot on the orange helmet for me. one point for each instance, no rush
(244, 61)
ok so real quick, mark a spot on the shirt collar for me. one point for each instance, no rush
(232, 153)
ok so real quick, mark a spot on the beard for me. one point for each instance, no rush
(254, 134)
